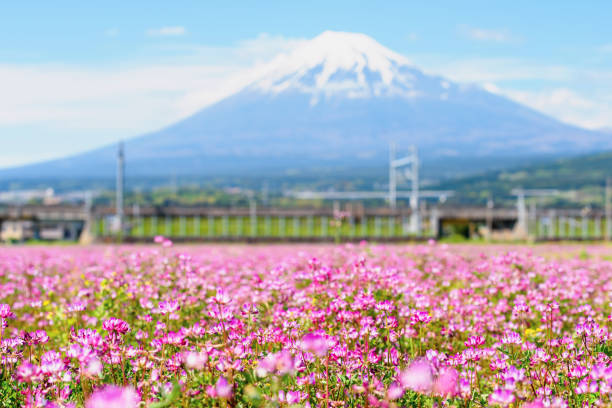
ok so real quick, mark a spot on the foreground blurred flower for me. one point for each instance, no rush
(94, 368)
(289, 397)
(222, 389)
(28, 372)
(195, 360)
(446, 382)
(501, 397)
(417, 377)
(276, 363)
(395, 391)
(534, 404)
(315, 344)
(114, 397)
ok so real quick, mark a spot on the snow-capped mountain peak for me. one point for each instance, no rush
(349, 64)
(364, 95)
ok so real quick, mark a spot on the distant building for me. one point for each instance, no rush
(59, 230)
(17, 230)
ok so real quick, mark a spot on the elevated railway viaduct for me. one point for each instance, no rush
(70, 222)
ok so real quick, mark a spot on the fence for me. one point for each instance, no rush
(375, 223)
(258, 226)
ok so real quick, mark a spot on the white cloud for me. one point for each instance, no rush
(481, 70)
(246, 52)
(563, 103)
(169, 31)
(265, 46)
(61, 93)
(34, 93)
(124, 100)
(567, 105)
(482, 34)
(556, 90)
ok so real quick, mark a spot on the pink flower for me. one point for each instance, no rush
(76, 307)
(446, 382)
(315, 344)
(168, 306)
(289, 397)
(5, 311)
(114, 397)
(395, 391)
(114, 325)
(36, 337)
(418, 376)
(534, 404)
(159, 239)
(501, 397)
(221, 297)
(94, 368)
(420, 316)
(222, 389)
(88, 337)
(474, 341)
(195, 360)
(276, 363)
(27, 372)
(511, 337)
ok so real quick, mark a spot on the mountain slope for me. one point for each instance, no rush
(584, 175)
(335, 103)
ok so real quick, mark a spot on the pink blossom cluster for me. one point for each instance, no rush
(339, 325)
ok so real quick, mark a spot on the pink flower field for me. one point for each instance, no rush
(282, 326)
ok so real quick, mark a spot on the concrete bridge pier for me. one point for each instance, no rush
(434, 222)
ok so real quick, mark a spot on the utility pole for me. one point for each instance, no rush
(392, 177)
(119, 189)
(489, 215)
(608, 208)
(265, 193)
(415, 218)
(253, 214)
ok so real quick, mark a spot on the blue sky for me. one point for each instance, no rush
(76, 75)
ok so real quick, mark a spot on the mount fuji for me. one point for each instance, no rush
(336, 102)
